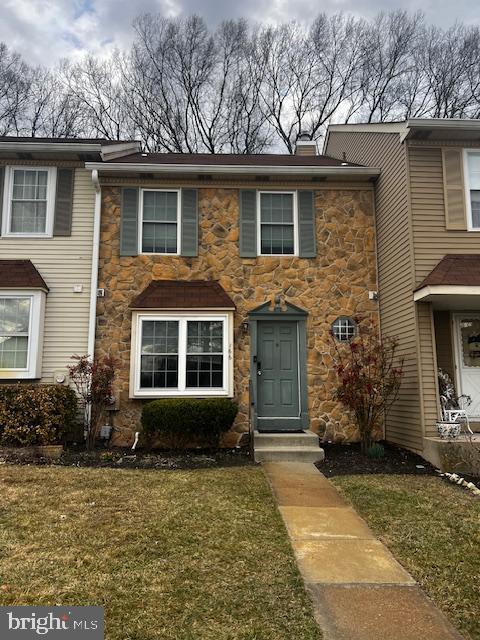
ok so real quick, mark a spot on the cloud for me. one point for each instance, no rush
(44, 31)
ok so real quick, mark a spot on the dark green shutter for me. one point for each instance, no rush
(306, 225)
(248, 224)
(2, 180)
(62, 224)
(129, 222)
(189, 235)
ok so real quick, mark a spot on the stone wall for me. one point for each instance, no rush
(334, 283)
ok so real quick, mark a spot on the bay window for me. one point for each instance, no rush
(21, 327)
(181, 355)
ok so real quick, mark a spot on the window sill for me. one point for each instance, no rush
(16, 374)
(174, 393)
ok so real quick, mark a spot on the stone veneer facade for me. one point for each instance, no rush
(334, 283)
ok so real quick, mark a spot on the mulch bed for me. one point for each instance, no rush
(346, 460)
(125, 459)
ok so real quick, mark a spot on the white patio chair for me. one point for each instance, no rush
(458, 414)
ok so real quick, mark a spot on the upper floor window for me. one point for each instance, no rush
(160, 221)
(29, 201)
(473, 197)
(277, 223)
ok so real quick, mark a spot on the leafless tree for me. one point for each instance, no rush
(183, 87)
(96, 86)
(14, 88)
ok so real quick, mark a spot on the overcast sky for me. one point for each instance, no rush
(45, 30)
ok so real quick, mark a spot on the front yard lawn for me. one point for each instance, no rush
(433, 528)
(181, 555)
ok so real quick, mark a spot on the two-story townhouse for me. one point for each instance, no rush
(49, 233)
(223, 275)
(428, 243)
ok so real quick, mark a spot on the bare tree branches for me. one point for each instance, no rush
(183, 87)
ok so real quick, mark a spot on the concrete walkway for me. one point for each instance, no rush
(359, 590)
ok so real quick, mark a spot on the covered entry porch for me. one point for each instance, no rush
(448, 321)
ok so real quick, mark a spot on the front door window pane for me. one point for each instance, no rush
(276, 223)
(29, 201)
(159, 229)
(159, 355)
(204, 354)
(14, 332)
(470, 339)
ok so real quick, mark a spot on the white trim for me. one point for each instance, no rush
(24, 146)
(295, 224)
(341, 171)
(7, 201)
(35, 334)
(182, 318)
(445, 290)
(405, 127)
(179, 223)
(92, 317)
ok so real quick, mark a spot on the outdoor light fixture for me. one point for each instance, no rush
(245, 326)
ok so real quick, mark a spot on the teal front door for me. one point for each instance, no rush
(278, 402)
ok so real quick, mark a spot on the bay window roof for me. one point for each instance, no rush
(183, 294)
(20, 274)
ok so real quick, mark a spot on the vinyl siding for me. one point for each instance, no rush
(395, 266)
(432, 241)
(63, 262)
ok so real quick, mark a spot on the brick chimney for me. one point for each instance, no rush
(305, 146)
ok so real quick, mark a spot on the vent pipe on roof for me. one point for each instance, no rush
(305, 146)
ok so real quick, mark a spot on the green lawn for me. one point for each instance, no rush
(181, 555)
(433, 528)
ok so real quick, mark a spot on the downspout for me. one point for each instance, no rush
(95, 258)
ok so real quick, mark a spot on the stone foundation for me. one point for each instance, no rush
(334, 283)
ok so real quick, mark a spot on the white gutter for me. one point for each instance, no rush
(446, 290)
(50, 146)
(95, 256)
(363, 172)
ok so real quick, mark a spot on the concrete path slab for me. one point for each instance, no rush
(306, 494)
(312, 523)
(359, 590)
(378, 613)
(343, 561)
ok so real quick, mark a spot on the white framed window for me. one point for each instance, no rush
(277, 223)
(159, 228)
(21, 333)
(181, 354)
(29, 201)
(344, 329)
(472, 188)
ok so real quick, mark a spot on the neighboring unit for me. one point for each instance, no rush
(224, 276)
(428, 243)
(47, 247)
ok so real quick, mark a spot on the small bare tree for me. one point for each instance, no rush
(369, 377)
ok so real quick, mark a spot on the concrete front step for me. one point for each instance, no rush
(289, 454)
(300, 439)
